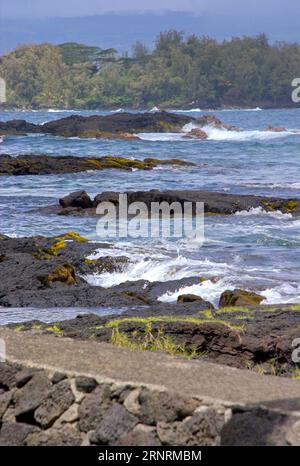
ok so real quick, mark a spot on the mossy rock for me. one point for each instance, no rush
(240, 298)
(63, 273)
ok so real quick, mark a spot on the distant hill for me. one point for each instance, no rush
(120, 31)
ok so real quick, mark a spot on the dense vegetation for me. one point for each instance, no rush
(179, 72)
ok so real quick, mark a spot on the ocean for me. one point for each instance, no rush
(255, 250)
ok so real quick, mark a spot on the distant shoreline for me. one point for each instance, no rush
(6, 108)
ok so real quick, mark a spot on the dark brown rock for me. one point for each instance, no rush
(66, 436)
(256, 427)
(85, 384)
(142, 436)
(191, 298)
(76, 199)
(58, 400)
(164, 406)
(116, 423)
(196, 133)
(201, 429)
(28, 398)
(240, 298)
(93, 408)
(7, 376)
(15, 433)
(5, 399)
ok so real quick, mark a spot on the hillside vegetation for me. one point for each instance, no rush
(192, 71)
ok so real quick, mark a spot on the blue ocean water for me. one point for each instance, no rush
(255, 250)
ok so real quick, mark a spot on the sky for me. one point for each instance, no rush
(63, 8)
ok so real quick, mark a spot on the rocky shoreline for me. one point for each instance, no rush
(50, 165)
(122, 125)
(80, 203)
(241, 332)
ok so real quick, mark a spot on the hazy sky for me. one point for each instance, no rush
(46, 8)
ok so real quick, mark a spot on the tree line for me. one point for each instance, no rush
(179, 72)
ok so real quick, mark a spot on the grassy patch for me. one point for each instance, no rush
(193, 320)
(296, 307)
(56, 330)
(149, 342)
(19, 327)
(296, 373)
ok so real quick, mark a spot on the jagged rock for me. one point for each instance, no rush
(24, 376)
(202, 429)
(94, 407)
(214, 202)
(63, 273)
(5, 399)
(7, 376)
(76, 199)
(58, 400)
(28, 398)
(196, 133)
(47, 165)
(141, 435)
(256, 427)
(190, 298)
(15, 434)
(293, 435)
(275, 129)
(240, 298)
(116, 423)
(66, 436)
(164, 406)
(85, 384)
(58, 377)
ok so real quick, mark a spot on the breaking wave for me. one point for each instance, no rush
(219, 134)
(259, 211)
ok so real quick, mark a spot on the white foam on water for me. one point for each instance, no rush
(282, 294)
(155, 110)
(208, 290)
(218, 134)
(160, 136)
(146, 269)
(259, 211)
(192, 110)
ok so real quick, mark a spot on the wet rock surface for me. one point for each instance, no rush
(49, 272)
(48, 165)
(76, 125)
(214, 202)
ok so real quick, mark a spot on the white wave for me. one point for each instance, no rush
(282, 294)
(118, 110)
(55, 110)
(155, 110)
(259, 211)
(256, 109)
(146, 269)
(160, 136)
(192, 110)
(217, 134)
(208, 290)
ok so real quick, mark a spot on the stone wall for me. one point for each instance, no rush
(39, 407)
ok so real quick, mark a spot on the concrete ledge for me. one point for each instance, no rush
(68, 392)
(195, 378)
